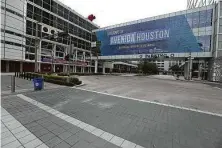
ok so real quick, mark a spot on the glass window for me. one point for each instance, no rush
(189, 19)
(203, 17)
(219, 37)
(66, 13)
(220, 29)
(209, 17)
(220, 23)
(71, 16)
(38, 2)
(54, 7)
(220, 9)
(195, 20)
(46, 4)
(220, 45)
(60, 10)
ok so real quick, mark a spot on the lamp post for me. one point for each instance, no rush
(36, 47)
(52, 61)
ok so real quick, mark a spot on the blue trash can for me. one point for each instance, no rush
(38, 83)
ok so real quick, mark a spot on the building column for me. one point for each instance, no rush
(104, 68)
(38, 56)
(75, 69)
(65, 67)
(199, 70)
(190, 68)
(90, 68)
(84, 56)
(7, 66)
(96, 66)
(21, 66)
(53, 57)
(186, 70)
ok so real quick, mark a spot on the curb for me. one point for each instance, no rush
(83, 84)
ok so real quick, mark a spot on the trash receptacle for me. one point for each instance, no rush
(38, 83)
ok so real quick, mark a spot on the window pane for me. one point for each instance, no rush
(220, 29)
(203, 17)
(195, 20)
(220, 45)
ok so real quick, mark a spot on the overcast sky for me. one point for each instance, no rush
(110, 12)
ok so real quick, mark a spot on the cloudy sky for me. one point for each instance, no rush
(110, 12)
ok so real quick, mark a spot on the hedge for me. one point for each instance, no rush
(61, 80)
(79, 74)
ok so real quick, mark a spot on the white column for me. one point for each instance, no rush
(104, 68)
(84, 56)
(90, 68)
(186, 70)
(96, 66)
(39, 51)
(190, 68)
(75, 69)
(54, 54)
(199, 70)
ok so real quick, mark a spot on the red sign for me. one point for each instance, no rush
(80, 63)
(91, 17)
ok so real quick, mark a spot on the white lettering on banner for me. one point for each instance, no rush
(161, 34)
(165, 55)
(167, 33)
(151, 35)
(156, 34)
(137, 37)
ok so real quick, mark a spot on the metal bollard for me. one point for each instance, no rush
(27, 77)
(12, 84)
(43, 82)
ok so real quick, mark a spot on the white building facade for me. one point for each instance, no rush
(28, 26)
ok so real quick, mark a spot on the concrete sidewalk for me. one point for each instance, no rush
(27, 125)
(145, 124)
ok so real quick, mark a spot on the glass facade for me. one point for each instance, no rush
(51, 13)
(187, 32)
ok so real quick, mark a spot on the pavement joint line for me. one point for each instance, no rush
(218, 88)
(17, 134)
(95, 131)
(152, 102)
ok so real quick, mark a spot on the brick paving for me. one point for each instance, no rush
(68, 117)
(33, 127)
(146, 124)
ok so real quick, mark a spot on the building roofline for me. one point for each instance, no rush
(59, 2)
(155, 17)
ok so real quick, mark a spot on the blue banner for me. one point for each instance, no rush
(166, 35)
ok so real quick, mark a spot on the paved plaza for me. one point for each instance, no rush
(90, 117)
(195, 95)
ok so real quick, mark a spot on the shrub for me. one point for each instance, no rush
(61, 80)
(148, 68)
(75, 81)
(62, 74)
